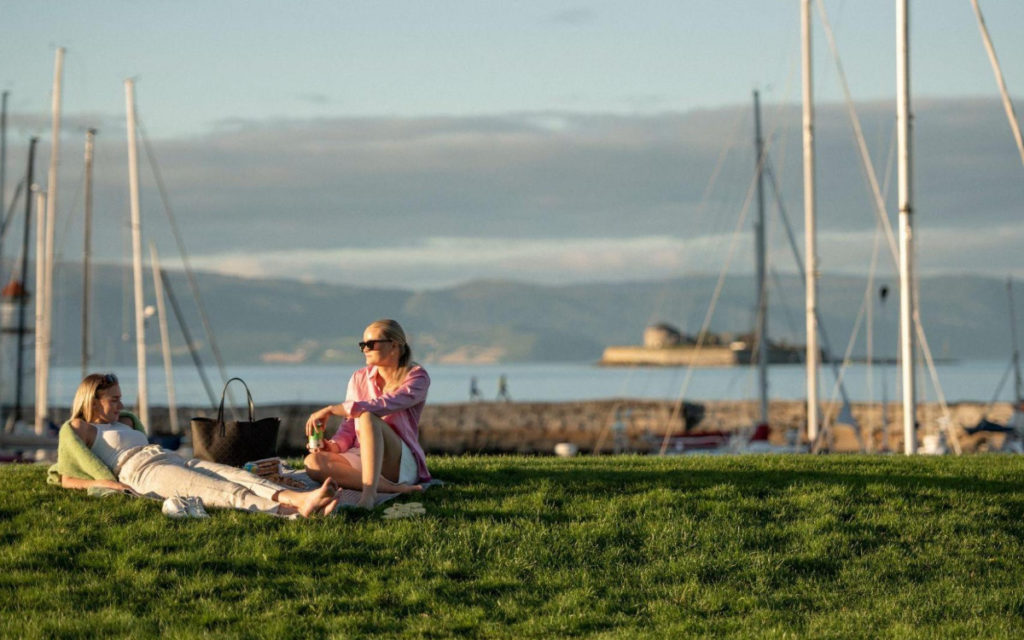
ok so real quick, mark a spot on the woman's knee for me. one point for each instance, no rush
(313, 462)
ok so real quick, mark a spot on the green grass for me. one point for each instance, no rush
(625, 547)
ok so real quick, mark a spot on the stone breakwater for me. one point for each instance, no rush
(638, 426)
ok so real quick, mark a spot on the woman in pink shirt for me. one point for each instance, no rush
(377, 446)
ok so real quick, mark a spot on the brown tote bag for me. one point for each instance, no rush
(237, 441)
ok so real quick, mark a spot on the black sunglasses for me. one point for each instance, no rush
(371, 344)
(108, 380)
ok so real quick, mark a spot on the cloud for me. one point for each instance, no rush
(574, 17)
(442, 261)
(551, 196)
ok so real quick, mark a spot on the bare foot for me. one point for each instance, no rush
(331, 506)
(312, 501)
(386, 486)
(408, 488)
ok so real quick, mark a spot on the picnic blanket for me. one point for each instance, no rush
(348, 496)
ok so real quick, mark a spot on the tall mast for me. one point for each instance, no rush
(810, 232)
(90, 141)
(41, 346)
(44, 335)
(762, 291)
(20, 369)
(133, 187)
(908, 306)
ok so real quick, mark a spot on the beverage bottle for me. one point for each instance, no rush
(316, 437)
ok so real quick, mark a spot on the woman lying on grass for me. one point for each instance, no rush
(377, 447)
(96, 449)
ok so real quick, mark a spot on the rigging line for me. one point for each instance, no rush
(193, 284)
(869, 330)
(825, 342)
(799, 262)
(677, 408)
(879, 202)
(3, 229)
(188, 337)
(869, 372)
(678, 405)
(861, 315)
(865, 157)
(10, 210)
(926, 351)
(997, 70)
(723, 154)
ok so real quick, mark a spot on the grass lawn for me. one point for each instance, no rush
(609, 547)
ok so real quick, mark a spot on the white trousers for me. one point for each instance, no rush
(157, 473)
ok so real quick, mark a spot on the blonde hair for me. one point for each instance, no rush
(393, 331)
(87, 393)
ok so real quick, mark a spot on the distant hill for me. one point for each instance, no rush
(964, 316)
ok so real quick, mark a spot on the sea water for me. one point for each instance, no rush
(960, 381)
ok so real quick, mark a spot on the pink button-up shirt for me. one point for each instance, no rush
(400, 408)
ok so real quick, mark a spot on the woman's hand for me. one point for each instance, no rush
(318, 419)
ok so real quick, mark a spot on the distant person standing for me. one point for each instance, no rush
(474, 390)
(503, 388)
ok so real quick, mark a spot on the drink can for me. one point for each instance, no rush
(316, 438)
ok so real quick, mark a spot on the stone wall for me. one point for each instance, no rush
(625, 425)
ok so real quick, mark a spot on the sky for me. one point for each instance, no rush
(424, 144)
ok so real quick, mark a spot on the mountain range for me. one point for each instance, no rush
(268, 320)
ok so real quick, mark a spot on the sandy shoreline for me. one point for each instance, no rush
(633, 425)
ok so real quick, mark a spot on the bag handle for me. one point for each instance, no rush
(220, 411)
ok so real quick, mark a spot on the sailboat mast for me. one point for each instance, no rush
(44, 339)
(133, 187)
(810, 227)
(165, 339)
(90, 140)
(908, 306)
(41, 346)
(762, 291)
(20, 369)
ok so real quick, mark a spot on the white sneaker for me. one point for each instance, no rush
(194, 507)
(175, 507)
